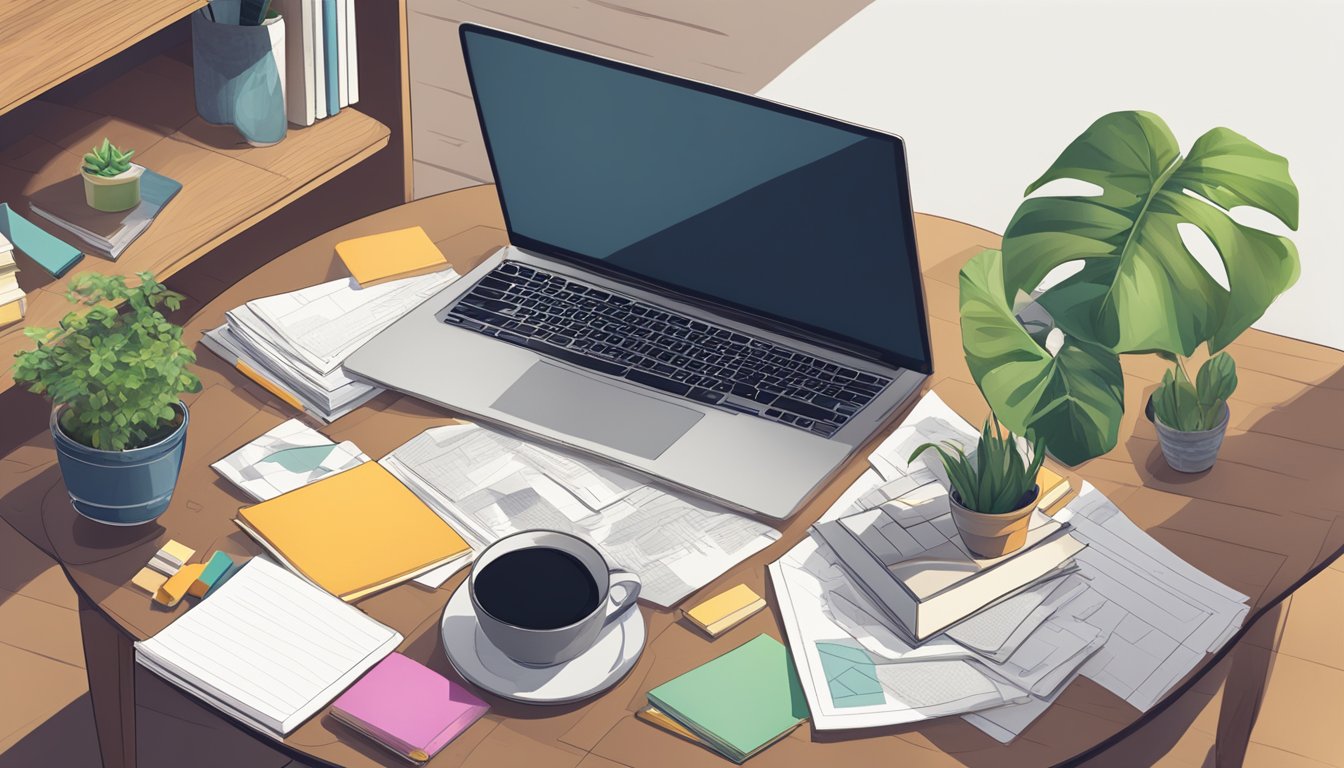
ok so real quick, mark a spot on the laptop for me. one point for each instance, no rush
(713, 289)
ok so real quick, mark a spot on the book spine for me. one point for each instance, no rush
(330, 32)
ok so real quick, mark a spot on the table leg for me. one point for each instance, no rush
(1243, 693)
(109, 658)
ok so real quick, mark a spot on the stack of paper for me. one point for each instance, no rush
(267, 648)
(107, 234)
(1131, 615)
(13, 304)
(295, 344)
(353, 533)
(737, 704)
(322, 59)
(487, 484)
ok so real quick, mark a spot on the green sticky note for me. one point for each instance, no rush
(742, 701)
(303, 459)
(52, 254)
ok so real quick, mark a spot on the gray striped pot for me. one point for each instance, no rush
(1191, 451)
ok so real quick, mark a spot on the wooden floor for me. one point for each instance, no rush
(40, 655)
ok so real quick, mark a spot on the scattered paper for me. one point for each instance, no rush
(290, 456)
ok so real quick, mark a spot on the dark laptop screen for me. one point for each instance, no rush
(749, 205)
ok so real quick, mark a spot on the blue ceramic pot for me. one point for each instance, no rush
(120, 487)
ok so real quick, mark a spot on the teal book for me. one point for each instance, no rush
(739, 703)
(107, 234)
(54, 255)
(330, 48)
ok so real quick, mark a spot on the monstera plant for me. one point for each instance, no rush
(1048, 362)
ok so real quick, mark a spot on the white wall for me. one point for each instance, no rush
(987, 92)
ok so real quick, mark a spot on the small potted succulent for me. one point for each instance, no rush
(115, 378)
(993, 491)
(1191, 418)
(111, 180)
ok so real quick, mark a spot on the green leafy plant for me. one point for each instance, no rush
(1196, 407)
(107, 160)
(1139, 290)
(119, 373)
(997, 477)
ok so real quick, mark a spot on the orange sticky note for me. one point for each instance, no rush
(390, 256)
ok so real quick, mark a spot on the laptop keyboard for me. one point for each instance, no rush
(650, 345)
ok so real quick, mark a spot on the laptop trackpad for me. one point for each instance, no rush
(560, 399)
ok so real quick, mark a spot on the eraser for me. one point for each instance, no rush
(722, 612)
(175, 588)
(234, 567)
(214, 568)
(170, 557)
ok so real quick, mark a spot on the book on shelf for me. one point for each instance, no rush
(108, 234)
(923, 577)
(13, 302)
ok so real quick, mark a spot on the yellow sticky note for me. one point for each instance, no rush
(725, 610)
(175, 588)
(149, 580)
(390, 256)
(1048, 480)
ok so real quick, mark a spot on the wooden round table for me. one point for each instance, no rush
(1266, 517)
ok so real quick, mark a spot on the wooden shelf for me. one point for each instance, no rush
(46, 43)
(227, 186)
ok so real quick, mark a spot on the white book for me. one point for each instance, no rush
(926, 579)
(319, 61)
(352, 69)
(300, 96)
(343, 52)
(268, 648)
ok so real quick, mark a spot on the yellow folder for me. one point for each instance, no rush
(390, 256)
(354, 533)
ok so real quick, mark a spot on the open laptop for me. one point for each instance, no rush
(711, 288)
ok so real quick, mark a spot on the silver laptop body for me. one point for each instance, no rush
(718, 451)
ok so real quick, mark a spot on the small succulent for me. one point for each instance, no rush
(107, 160)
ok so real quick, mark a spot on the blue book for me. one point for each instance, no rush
(107, 234)
(331, 46)
(51, 254)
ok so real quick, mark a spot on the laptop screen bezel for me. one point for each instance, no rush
(784, 325)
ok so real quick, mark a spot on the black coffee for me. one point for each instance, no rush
(537, 588)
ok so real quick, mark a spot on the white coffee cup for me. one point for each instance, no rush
(548, 646)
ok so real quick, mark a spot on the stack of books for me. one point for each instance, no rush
(920, 574)
(295, 344)
(735, 705)
(321, 58)
(107, 234)
(13, 303)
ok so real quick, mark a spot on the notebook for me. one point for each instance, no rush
(267, 648)
(106, 233)
(408, 708)
(50, 253)
(390, 256)
(353, 533)
(739, 703)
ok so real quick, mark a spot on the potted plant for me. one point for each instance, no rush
(1191, 418)
(114, 378)
(111, 180)
(1048, 360)
(993, 491)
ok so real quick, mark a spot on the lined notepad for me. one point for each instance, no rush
(268, 648)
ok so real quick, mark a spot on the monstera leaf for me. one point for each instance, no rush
(1140, 289)
(1071, 400)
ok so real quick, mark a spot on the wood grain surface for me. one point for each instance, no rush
(1263, 518)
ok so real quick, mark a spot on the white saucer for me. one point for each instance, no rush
(479, 661)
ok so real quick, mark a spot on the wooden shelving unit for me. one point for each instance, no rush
(228, 187)
(44, 43)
